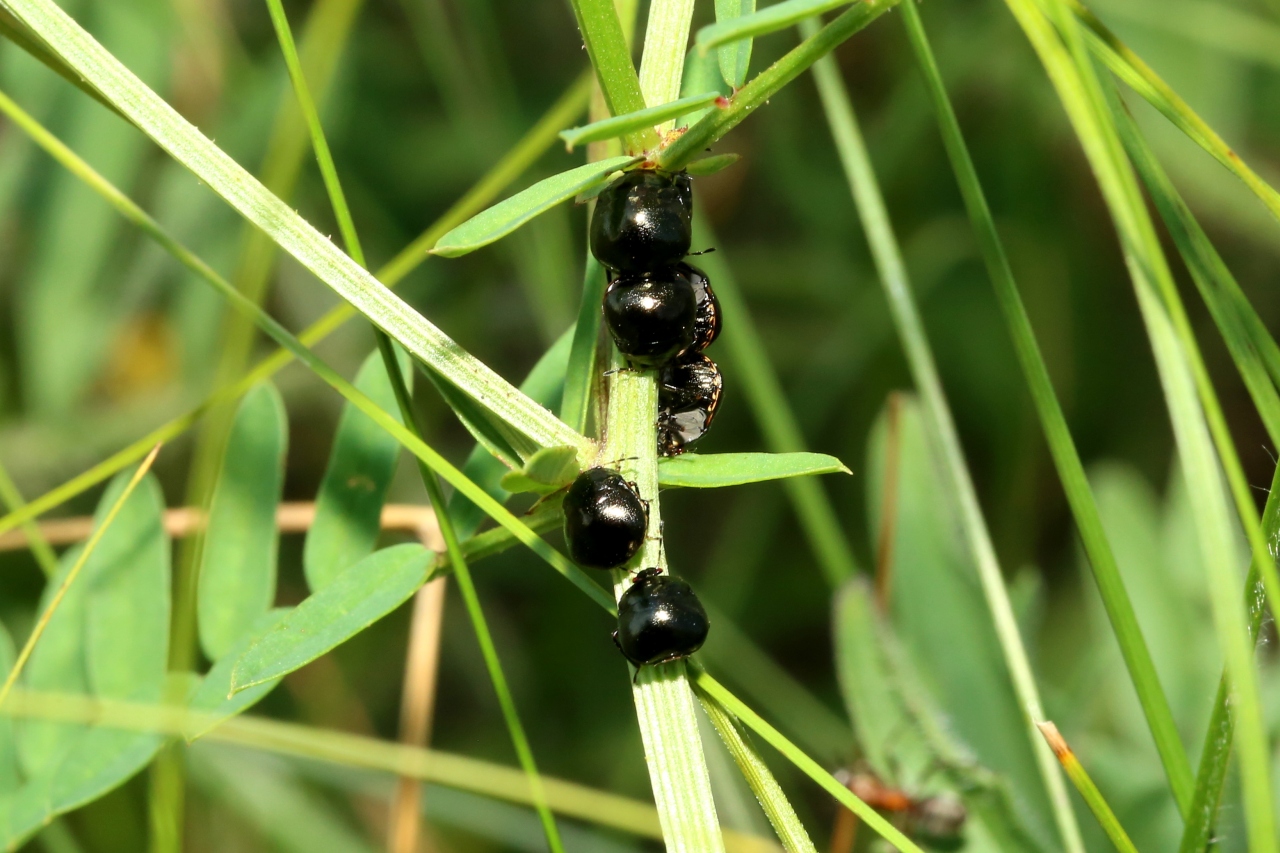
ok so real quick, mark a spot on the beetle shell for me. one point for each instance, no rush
(706, 322)
(659, 619)
(643, 221)
(651, 315)
(605, 520)
(689, 392)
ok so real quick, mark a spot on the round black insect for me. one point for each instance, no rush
(604, 519)
(652, 315)
(659, 619)
(706, 321)
(643, 221)
(689, 391)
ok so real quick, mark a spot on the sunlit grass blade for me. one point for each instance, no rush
(1215, 755)
(893, 278)
(507, 169)
(611, 128)
(771, 19)
(1140, 77)
(1198, 425)
(76, 568)
(506, 216)
(716, 470)
(1089, 791)
(747, 356)
(715, 692)
(13, 30)
(308, 743)
(766, 788)
(746, 100)
(289, 230)
(1066, 457)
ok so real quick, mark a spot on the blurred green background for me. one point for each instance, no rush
(103, 337)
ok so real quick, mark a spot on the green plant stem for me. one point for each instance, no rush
(816, 45)
(45, 558)
(715, 692)
(524, 154)
(748, 359)
(1092, 796)
(466, 586)
(1115, 597)
(946, 442)
(665, 706)
(1140, 77)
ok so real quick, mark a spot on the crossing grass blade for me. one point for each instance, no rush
(238, 576)
(716, 470)
(746, 355)
(505, 217)
(1115, 597)
(602, 34)
(612, 128)
(361, 465)
(771, 19)
(507, 169)
(287, 228)
(941, 424)
(1089, 791)
(40, 550)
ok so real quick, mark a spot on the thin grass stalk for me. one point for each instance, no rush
(774, 415)
(1115, 597)
(1197, 419)
(522, 155)
(609, 49)
(43, 622)
(1088, 791)
(893, 276)
(1140, 77)
(44, 556)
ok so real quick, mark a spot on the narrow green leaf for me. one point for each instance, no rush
(710, 165)
(1066, 458)
(238, 569)
(715, 470)
(506, 216)
(729, 29)
(351, 602)
(493, 435)
(547, 471)
(764, 85)
(874, 216)
(611, 58)
(213, 698)
(735, 59)
(768, 792)
(701, 74)
(666, 39)
(582, 370)
(126, 608)
(318, 254)
(612, 128)
(1089, 791)
(10, 778)
(349, 504)
(13, 30)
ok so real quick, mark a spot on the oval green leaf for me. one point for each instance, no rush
(238, 569)
(353, 601)
(547, 471)
(349, 505)
(715, 470)
(213, 697)
(734, 58)
(612, 128)
(711, 165)
(506, 216)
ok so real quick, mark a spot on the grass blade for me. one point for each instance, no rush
(716, 470)
(1089, 791)
(770, 19)
(525, 152)
(717, 123)
(666, 37)
(893, 276)
(238, 575)
(1115, 597)
(505, 217)
(351, 602)
(766, 788)
(611, 58)
(612, 128)
(90, 546)
(287, 228)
